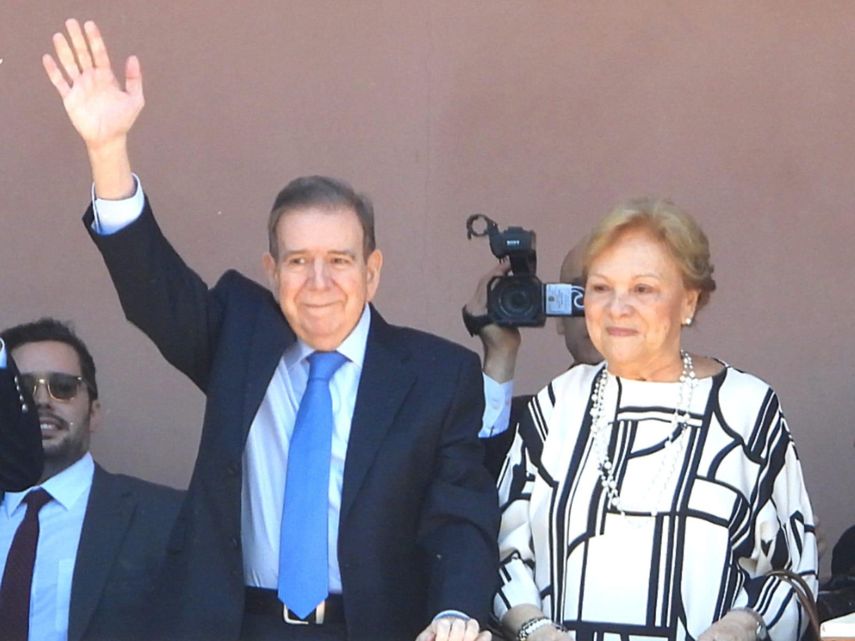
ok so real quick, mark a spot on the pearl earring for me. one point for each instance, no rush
(688, 321)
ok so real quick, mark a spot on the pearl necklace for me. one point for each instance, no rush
(673, 447)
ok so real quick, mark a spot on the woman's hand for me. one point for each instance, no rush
(519, 614)
(550, 633)
(736, 625)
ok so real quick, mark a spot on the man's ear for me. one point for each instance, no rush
(96, 416)
(268, 263)
(373, 266)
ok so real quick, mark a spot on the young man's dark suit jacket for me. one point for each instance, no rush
(122, 546)
(20, 434)
(419, 516)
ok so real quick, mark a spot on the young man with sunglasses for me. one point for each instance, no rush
(101, 537)
(20, 442)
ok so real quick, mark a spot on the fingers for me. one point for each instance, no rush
(442, 629)
(133, 77)
(55, 75)
(96, 45)
(729, 629)
(79, 52)
(470, 630)
(453, 629)
(499, 269)
(78, 41)
(478, 303)
(65, 56)
(503, 267)
(427, 634)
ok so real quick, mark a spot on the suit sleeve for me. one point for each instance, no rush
(161, 295)
(460, 519)
(21, 456)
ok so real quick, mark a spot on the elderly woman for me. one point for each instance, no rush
(650, 496)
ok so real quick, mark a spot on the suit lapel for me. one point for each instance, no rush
(386, 379)
(270, 339)
(107, 515)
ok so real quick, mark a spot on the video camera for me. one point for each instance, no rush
(520, 299)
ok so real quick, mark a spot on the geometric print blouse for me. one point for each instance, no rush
(701, 523)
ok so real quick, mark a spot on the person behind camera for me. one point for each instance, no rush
(653, 495)
(501, 345)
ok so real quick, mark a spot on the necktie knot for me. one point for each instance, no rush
(322, 365)
(37, 499)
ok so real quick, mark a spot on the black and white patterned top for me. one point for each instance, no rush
(733, 509)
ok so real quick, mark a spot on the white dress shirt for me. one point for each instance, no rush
(2, 354)
(60, 524)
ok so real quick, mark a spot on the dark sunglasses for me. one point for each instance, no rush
(61, 387)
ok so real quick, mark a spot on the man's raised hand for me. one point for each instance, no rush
(101, 110)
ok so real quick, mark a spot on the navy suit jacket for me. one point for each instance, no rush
(122, 546)
(419, 514)
(20, 435)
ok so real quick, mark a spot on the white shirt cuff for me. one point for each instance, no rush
(114, 215)
(455, 614)
(497, 406)
(2, 354)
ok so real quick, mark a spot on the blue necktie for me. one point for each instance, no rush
(303, 562)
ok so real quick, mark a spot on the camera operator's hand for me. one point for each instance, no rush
(501, 344)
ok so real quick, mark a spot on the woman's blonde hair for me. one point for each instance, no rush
(676, 229)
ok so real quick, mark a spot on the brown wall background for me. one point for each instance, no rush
(540, 114)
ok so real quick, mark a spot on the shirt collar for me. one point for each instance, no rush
(65, 488)
(353, 347)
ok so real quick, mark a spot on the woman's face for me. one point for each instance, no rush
(635, 304)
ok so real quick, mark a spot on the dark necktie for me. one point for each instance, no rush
(18, 574)
(303, 562)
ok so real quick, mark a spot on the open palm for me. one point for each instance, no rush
(98, 107)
